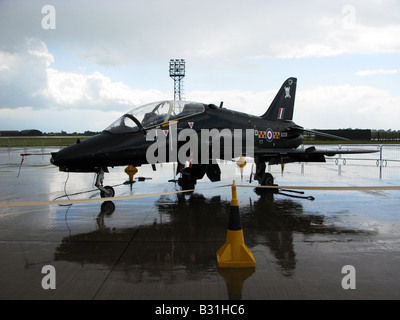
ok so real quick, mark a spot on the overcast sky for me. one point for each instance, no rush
(100, 59)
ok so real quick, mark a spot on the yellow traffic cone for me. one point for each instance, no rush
(234, 253)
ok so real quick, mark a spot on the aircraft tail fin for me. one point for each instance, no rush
(282, 106)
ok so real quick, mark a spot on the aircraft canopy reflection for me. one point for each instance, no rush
(154, 114)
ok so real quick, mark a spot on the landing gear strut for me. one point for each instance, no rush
(191, 174)
(186, 182)
(263, 178)
(107, 191)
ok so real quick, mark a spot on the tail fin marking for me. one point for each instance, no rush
(282, 106)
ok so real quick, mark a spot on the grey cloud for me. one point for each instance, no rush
(119, 32)
(23, 74)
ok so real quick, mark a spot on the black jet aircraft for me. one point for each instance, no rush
(125, 142)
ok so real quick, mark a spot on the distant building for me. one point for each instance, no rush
(31, 132)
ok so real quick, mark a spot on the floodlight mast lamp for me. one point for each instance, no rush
(177, 72)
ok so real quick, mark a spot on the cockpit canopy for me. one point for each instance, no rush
(154, 114)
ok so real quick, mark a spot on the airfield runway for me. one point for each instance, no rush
(164, 247)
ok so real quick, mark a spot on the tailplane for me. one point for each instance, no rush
(282, 106)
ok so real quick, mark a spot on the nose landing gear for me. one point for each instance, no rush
(106, 191)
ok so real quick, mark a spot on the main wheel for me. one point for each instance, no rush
(110, 192)
(186, 182)
(267, 179)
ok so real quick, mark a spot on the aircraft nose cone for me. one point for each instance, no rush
(68, 158)
(57, 159)
(85, 156)
(52, 161)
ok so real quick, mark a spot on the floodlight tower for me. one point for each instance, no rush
(177, 72)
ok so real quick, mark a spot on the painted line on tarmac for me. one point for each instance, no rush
(340, 188)
(26, 170)
(19, 212)
(96, 200)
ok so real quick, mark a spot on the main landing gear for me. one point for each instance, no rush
(263, 178)
(186, 181)
(106, 191)
(190, 175)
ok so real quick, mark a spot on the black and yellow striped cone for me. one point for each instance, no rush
(234, 253)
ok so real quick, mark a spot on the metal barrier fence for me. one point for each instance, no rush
(387, 154)
(386, 160)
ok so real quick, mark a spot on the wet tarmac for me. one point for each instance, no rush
(164, 247)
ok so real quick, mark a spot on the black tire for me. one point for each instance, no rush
(186, 182)
(110, 194)
(267, 179)
(107, 208)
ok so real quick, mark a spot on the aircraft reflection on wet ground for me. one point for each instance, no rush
(183, 248)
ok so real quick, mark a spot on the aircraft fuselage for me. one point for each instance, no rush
(129, 148)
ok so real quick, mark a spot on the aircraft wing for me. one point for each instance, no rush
(311, 154)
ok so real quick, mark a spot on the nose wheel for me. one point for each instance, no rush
(106, 191)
